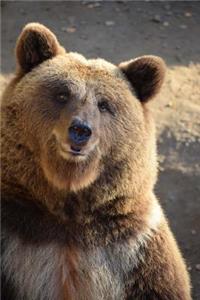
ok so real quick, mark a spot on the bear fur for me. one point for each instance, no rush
(83, 226)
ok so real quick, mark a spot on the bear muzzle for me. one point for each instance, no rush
(79, 133)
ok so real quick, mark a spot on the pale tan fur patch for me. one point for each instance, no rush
(94, 274)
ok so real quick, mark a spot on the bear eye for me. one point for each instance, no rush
(105, 107)
(62, 98)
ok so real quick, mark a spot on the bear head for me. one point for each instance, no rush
(84, 121)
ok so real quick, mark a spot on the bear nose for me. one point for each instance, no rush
(79, 132)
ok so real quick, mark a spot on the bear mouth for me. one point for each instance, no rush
(73, 153)
(76, 151)
(69, 152)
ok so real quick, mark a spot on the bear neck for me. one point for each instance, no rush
(99, 208)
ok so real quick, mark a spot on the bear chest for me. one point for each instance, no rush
(51, 272)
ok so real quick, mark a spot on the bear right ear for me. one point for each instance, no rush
(146, 75)
(36, 44)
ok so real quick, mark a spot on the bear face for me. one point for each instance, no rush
(76, 116)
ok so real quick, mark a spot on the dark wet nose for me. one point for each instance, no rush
(79, 132)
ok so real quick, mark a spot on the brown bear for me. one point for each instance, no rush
(80, 220)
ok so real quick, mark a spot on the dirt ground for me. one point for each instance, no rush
(122, 30)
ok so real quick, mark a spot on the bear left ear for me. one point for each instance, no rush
(36, 44)
(146, 75)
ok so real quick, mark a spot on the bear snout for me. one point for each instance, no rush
(79, 133)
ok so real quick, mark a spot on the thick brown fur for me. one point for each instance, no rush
(85, 227)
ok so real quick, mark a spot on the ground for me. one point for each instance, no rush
(122, 30)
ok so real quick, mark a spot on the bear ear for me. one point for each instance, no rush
(35, 44)
(146, 75)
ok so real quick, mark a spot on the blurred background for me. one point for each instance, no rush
(121, 30)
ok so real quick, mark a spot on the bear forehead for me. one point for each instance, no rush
(97, 63)
(77, 67)
(72, 71)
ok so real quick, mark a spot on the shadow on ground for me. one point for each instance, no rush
(179, 192)
(114, 30)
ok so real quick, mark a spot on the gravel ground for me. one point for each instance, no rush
(122, 30)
